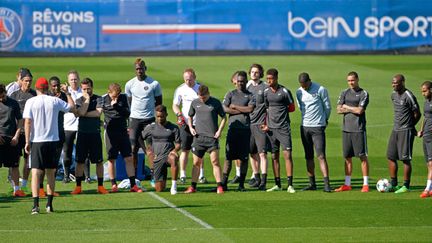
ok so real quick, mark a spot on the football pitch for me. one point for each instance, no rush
(251, 216)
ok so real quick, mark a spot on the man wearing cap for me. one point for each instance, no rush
(144, 94)
(41, 134)
(22, 95)
(10, 126)
(314, 104)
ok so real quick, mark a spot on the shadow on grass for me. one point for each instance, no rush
(11, 199)
(124, 209)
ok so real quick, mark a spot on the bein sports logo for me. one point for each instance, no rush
(11, 29)
(369, 26)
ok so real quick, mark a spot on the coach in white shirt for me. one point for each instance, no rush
(183, 97)
(41, 135)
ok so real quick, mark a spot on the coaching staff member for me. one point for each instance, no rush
(41, 134)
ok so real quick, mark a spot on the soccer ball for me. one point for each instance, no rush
(383, 185)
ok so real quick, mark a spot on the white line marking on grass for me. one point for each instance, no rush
(413, 227)
(184, 212)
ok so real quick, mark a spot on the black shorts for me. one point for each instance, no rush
(161, 169)
(280, 136)
(354, 144)
(400, 145)
(43, 155)
(313, 137)
(236, 145)
(202, 144)
(88, 145)
(21, 145)
(9, 155)
(186, 138)
(136, 126)
(427, 148)
(259, 141)
(117, 142)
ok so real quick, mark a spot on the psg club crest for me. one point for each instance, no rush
(11, 29)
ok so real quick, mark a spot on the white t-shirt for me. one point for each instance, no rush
(12, 87)
(43, 111)
(184, 95)
(143, 95)
(70, 122)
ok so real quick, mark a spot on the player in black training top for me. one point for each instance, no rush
(116, 111)
(400, 145)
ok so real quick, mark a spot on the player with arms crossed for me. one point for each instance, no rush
(89, 142)
(238, 104)
(352, 105)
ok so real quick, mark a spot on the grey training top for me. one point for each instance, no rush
(355, 98)
(277, 107)
(163, 138)
(236, 97)
(257, 116)
(404, 105)
(206, 116)
(9, 115)
(21, 97)
(427, 131)
(89, 124)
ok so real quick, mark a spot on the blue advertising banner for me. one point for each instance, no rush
(248, 25)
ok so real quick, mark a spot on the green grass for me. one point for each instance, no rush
(240, 217)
